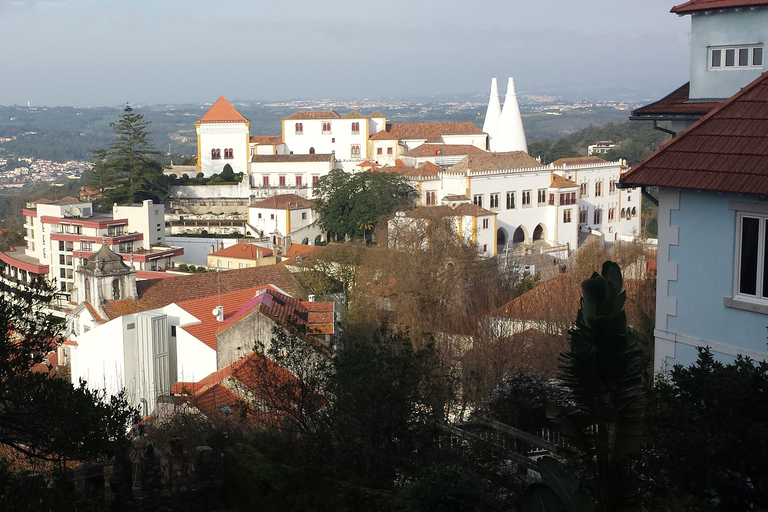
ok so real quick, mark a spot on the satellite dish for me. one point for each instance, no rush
(75, 211)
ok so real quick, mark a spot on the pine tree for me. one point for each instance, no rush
(128, 170)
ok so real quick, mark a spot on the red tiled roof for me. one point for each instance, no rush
(444, 149)
(306, 252)
(243, 251)
(222, 112)
(284, 202)
(157, 293)
(560, 182)
(495, 162)
(706, 5)
(726, 150)
(270, 140)
(428, 170)
(353, 114)
(675, 104)
(432, 132)
(578, 160)
(153, 274)
(314, 114)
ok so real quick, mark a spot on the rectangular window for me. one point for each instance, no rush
(612, 187)
(752, 258)
(582, 216)
(379, 151)
(597, 216)
(282, 181)
(303, 215)
(567, 216)
(85, 246)
(542, 196)
(314, 180)
(742, 56)
(584, 189)
(526, 198)
(389, 151)
(598, 189)
(510, 200)
(298, 181)
(486, 223)
(61, 246)
(478, 200)
(494, 202)
(265, 181)
(271, 216)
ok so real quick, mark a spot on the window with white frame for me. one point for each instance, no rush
(494, 202)
(478, 199)
(567, 216)
(751, 271)
(734, 57)
(542, 196)
(486, 223)
(355, 150)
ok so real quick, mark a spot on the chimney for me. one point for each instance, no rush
(492, 115)
(510, 135)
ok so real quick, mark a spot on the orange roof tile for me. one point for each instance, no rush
(157, 293)
(431, 132)
(314, 114)
(675, 104)
(269, 140)
(494, 162)
(444, 150)
(222, 112)
(560, 182)
(284, 202)
(243, 251)
(578, 160)
(292, 158)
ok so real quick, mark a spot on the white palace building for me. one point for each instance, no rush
(449, 164)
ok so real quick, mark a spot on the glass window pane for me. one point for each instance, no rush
(765, 263)
(716, 58)
(750, 228)
(743, 56)
(757, 56)
(730, 57)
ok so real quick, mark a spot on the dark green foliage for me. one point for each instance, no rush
(45, 416)
(560, 490)
(368, 413)
(353, 204)
(522, 401)
(451, 488)
(707, 433)
(128, 171)
(603, 371)
(636, 141)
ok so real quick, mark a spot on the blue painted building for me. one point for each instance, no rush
(712, 283)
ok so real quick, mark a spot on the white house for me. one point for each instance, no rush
(285, 218)
(223, 138)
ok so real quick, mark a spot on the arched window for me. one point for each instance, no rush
(355, 128)
(228, 153)
(116, 289)
(634, 211)
(326, 128)
(311, 151)
(215, 154)
(299, 128)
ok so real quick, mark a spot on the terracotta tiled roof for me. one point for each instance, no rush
(431, 132)
(675, 104)
(560, 182)
(314, 114)
(353, 114)
(578, 160)
(428, 170)
(495, 162)
(367, 163)
(444, 149)
(376, 113)
(206, 330)
(300, 250)
(456, 197)
(158, 293)
(529, 305)
(243, 251)
(222, 112)
(268, 140)
(726, 150)
(291, 158)
(94, 314)
(284, 202)
(706, 5)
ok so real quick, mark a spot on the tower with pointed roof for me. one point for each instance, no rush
(105, 277)
(510, 135)
(492, 115)
(223, 138)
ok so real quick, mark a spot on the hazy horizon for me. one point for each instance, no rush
(90, 53)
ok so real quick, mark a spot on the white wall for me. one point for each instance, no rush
(339, 140)
(221, 136)
(98, 357)
(147, 218)
(240, 190)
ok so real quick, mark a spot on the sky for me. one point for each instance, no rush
(109, 52)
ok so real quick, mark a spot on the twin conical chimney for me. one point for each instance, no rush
(492, 115)
(505, 132)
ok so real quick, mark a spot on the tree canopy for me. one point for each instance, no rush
(128, 170)
(353, 204)
(45, 416)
